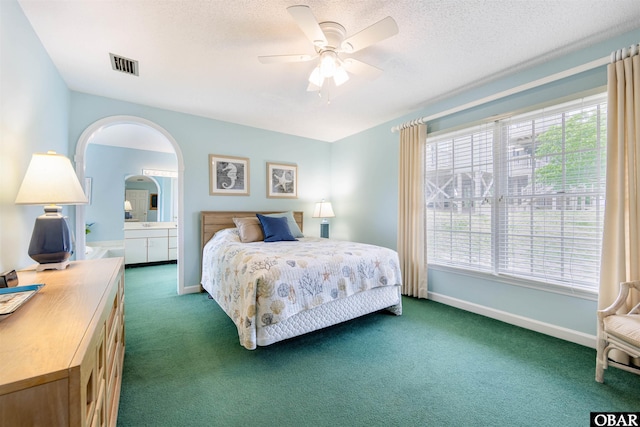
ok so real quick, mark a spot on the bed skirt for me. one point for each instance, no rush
(332, 313)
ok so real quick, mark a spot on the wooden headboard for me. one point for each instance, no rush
(214, 221)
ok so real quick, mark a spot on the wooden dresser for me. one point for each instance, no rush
(61, 353)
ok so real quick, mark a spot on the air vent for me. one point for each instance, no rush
(124, 65)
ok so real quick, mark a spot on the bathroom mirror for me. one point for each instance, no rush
(141, 199)
(150, 199)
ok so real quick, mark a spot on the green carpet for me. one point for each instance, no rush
(434, 365)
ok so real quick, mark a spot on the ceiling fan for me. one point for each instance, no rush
(328, 39)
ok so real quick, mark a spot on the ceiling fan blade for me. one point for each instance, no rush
(277, 59)
(308, 24)
(361, 69)
(379, 31)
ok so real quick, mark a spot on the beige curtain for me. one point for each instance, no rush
(621, 239)
(411, 212)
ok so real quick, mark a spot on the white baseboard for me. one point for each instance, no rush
(514, 319)
(191, 290)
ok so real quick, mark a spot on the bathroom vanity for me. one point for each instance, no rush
(150, 242)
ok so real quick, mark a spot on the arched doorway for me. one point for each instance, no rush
(81, 148)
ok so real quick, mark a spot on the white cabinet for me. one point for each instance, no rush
(135, 250)
(150, 244)
(173, 244)
(157, 249)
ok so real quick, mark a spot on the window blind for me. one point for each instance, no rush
(552, 199)
(521, 197)
(459, 189)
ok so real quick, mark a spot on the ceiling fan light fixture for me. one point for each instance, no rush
(328, 63)
(316, 77)
(340, 76)
(328, 38)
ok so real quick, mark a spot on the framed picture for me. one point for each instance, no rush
(153, 201)
(228, 175)
(282, 181)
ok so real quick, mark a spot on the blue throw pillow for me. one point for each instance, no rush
(275, 229)
(293, 225)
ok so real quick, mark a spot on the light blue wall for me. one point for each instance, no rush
(366, 208)
(365, 187)
(198, 137)
(108, 168)
(165, 212)
(34, 116)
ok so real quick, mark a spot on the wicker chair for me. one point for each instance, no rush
(618, 331)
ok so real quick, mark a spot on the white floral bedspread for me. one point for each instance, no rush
(264, 283)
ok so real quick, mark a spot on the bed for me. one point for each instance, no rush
(273, 291)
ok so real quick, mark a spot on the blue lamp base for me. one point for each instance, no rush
(324, 230)
(51, 244)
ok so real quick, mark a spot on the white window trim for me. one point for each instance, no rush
(587, 293)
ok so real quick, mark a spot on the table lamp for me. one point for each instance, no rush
(127, 209)
(51, 181)
(323, 210)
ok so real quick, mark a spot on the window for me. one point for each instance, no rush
(521, 197)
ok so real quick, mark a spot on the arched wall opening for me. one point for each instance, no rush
(80, 161)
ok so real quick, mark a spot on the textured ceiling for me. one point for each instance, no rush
(200, 57)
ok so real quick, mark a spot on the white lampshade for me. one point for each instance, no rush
(316, 77)
(50, 179)
(328, 63)
(127, 206)
(329, 66)
(323, 210)
(340, 76)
